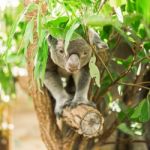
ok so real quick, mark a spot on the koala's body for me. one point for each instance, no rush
(74, 67)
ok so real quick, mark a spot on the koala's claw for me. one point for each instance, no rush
(92, 104)
(59, 108)
(79, 102)
(58, 112)
(67, 104)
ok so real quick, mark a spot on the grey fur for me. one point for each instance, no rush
(74, 65)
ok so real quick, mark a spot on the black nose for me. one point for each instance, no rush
(73, 63)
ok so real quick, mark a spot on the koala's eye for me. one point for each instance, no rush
(61, 51)
(85, 53)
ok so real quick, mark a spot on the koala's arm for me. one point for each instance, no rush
(82, 82)
(54, 85)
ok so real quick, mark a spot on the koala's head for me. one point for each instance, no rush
(78, 53)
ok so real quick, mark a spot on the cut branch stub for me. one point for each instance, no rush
(84, 119)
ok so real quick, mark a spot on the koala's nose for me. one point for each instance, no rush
(73, 63)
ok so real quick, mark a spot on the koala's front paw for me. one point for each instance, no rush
(81, 100)
(60, 106)
(58, 111)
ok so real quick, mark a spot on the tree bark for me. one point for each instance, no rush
(4, 141)
(5, 131)
(85, 120)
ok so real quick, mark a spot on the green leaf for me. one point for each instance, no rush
(124, 128)
(41, 58)
(94, 71)
(41, 38)
(137, 111)
(142, 111)
(19, 19)
(58, 33)
(124, 62)
(39, 24)
(117, 3)
(28, 36)
(145, 111)
(69, 34)
(59, 22)
(87, 2)
(144, 9)
(130, 6)
(100, 20)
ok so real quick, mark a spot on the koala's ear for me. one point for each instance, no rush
(93, 37)
(51, 40)
(95, 40)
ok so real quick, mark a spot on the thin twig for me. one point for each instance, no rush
(120, 77)
(144, 82)
(132, 84)
(101, 60)
(146, 57)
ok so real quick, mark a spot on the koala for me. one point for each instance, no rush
(73, 66)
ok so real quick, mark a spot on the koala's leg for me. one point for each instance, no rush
(82, 82)
(54, 84)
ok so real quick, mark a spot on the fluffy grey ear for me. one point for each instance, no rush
(95, 40)
(51, 40)
(93, 37)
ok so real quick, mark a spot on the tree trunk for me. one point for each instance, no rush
(4, 142)
(5, 130)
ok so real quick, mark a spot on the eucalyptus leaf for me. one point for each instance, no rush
(57, 33)
(142, 111)
(100, 20)
(28, 36)
(94, 71)
(117, 3)
(124, 128)
(59, 22)
(39, 23)
(145, 111)
(144, 9)
(41, 59)
(19, 19)
(69, 34)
